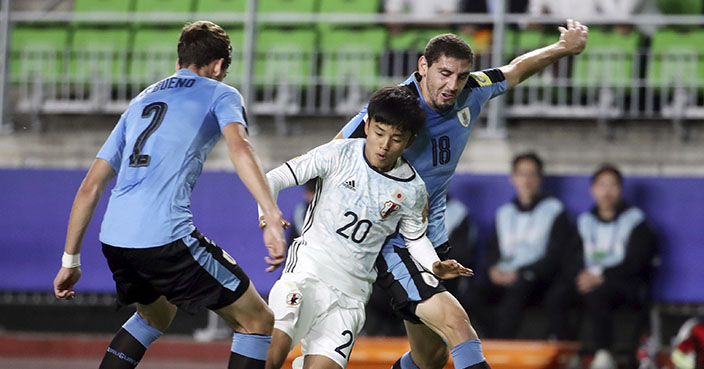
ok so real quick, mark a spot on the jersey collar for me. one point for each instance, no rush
(385, 174)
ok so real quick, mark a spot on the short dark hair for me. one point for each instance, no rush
(398, 107)
(202, 42)
(447, 44)
(608, 168)
(532, 156)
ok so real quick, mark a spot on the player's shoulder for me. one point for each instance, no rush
(485, 77)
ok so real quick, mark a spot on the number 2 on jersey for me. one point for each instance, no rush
(137, 159)
(338, 349)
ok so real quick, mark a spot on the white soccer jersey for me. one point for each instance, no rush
(355, 208)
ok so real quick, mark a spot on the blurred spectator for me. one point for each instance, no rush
(299, 212)
(463, 241)
(613, 264)
(524, 255)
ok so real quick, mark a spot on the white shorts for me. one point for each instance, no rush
(324, 320)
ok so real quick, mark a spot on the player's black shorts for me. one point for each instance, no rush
(192, 273)
(407, 282)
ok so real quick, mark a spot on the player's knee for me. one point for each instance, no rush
(261, 323)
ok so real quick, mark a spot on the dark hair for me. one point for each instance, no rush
(532, 156)
(447, 44)
(608, 168)
(398, 107)
(202, 42)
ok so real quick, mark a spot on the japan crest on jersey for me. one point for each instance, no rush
(294, 299)
(389, 207)
(464, 116)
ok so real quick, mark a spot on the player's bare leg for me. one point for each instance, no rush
(253, 323)
(279, 349)
(445, 317)
(319, 362)
(428, 350)
(132, 340)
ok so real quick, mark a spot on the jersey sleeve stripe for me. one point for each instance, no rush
(495, 74)
(293, 173)
(311, 207)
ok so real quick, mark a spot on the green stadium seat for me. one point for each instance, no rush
(676, 58)
(103, 5)
(680, 6)
(37, 51)
(352, 55)
(236, 70)
(414, 39)
(350, 6)
(286, 6)
(518, 42)
(205, 7)
(99, 52)
(154, 54)
(607, 60)
(285, 55)
(171, 6)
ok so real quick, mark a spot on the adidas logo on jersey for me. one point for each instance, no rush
(349, 185)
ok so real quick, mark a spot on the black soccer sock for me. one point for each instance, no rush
(124, 352)
(238, 361)
(482, 365)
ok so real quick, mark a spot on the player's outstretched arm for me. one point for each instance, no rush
(451, 268)
(573, 40)
(87, 197)
(422, 250)
(250, 172)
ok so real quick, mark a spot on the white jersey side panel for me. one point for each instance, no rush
(354, 210)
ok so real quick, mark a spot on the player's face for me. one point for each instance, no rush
(443, 81)
(385, 144)
(606, 191)
(526, 179)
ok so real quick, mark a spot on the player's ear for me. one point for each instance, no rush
(410, 141)
(366, 125)
(217, 67)
(423, 65)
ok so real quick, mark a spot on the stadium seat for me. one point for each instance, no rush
(37, 51)
(676, 58)
(607, 60)
(154, 54)
(172, 6)
(680, 6)
(414, 39)
(103, 5)
(205, 7)
(285, 56)
(350, 6)
(234, 73)
(99, 53)
(286, 6)
(351, 55)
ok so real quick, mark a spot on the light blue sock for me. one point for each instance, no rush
(407, 362)
(254, 346)
(140, 330)
(467, 354)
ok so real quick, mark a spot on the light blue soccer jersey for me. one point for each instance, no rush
(439, 145)
(157, 150)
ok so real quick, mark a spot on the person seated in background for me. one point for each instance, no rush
(299, 212)
(614, 262)
(420, 9)
(524, 255)
(463, 236)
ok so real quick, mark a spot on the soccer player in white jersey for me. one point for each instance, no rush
(158, 258)
(365, 192)
(452, 98)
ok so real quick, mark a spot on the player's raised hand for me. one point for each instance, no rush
(449, 269)
(65, 279)
(573, 37)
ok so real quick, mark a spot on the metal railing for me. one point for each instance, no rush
(286, 89)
